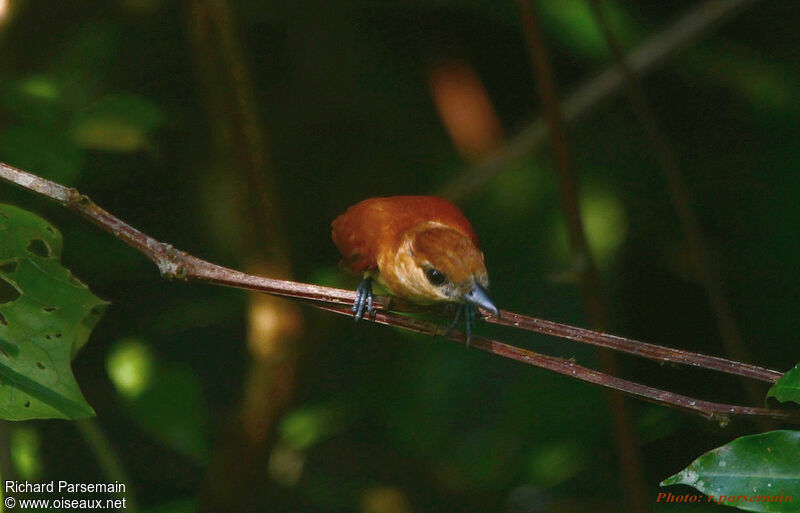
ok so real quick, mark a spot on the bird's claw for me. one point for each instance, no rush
(469, 319)
(364, 300)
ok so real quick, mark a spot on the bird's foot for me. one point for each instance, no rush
(468, 311)
(469, 320)
(364, 299)
(455, 320)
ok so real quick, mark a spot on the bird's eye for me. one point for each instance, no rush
(435, 276)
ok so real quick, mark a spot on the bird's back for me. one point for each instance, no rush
(376, 224)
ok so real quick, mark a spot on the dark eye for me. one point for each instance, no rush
(435, 276)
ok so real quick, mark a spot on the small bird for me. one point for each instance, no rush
(420, 248)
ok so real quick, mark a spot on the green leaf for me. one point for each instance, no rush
(787, 388)
(120, 122)
(46, 316)
(756, 473)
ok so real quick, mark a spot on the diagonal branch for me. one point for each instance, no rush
(635, 347)
(694, 24)
(707, 409)
(664, 150)
(174, 263)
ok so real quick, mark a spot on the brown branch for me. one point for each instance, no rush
(681, 199)
(635, 347)
(707, 409)
(174, 263)
(592, 294)
(694, 24)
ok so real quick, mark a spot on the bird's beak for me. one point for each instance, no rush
(479, 296)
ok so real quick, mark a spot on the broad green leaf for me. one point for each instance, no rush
(119, 122)
(787, 388)
(756, 473)
(46, 316)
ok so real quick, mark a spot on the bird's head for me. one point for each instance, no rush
(441, 264)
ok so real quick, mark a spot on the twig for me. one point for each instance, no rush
(681, 199)
(694, 24)
(629, 456)
(635, 347)
(707, 409)
(177, 264)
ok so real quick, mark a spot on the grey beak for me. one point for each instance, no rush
(479, 296)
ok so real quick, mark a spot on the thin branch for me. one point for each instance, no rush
(694, 24)
(591, 289)
(681, 199)
(707, 409)
(177, 264)
(635, 347)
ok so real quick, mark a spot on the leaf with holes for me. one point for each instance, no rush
(755, 473)
(46, 316)
(787, 388)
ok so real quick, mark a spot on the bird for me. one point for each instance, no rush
(419, 248)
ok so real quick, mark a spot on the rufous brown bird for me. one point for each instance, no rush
(420, 248)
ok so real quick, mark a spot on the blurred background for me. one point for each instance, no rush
(237, 130)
